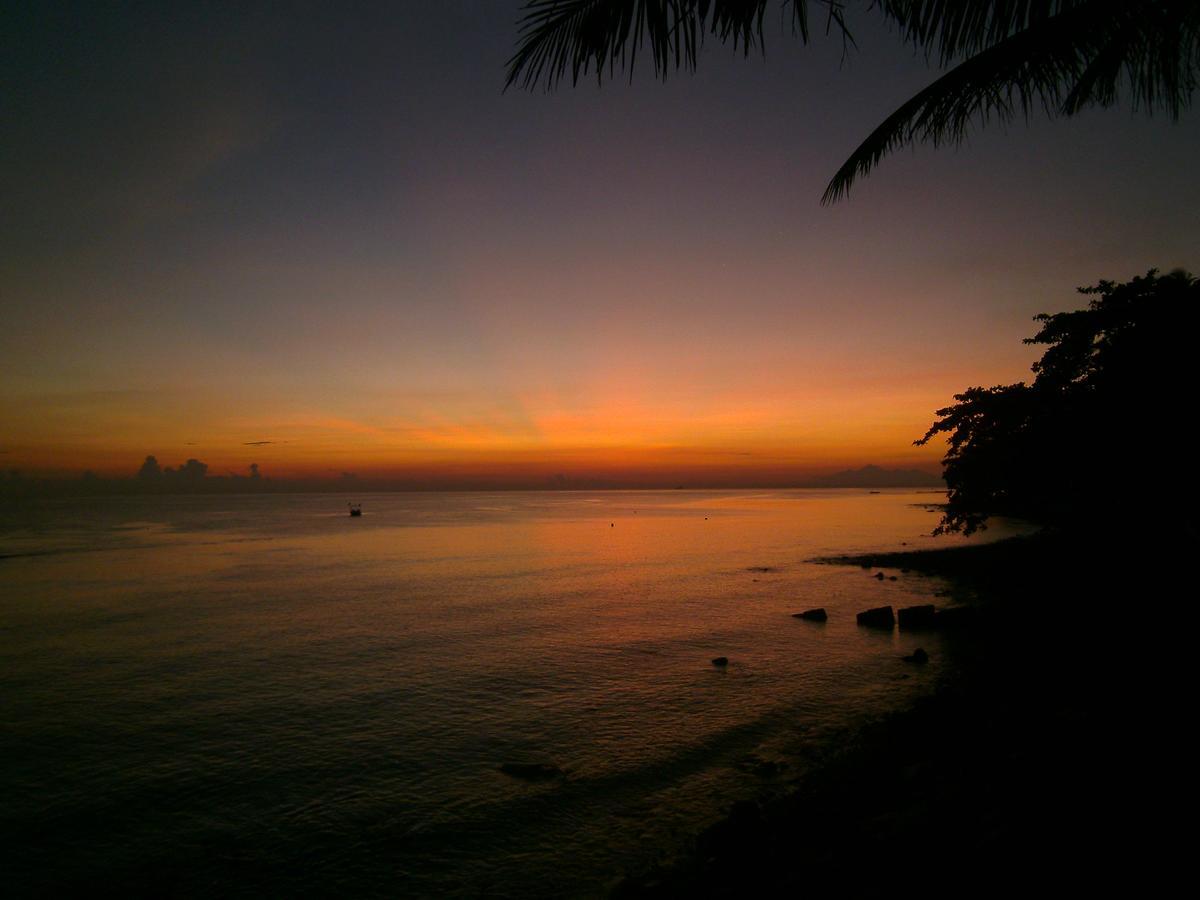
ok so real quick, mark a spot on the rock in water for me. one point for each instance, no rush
(917, 656)
(721, 661)
(531, 771)
(917, 616)
(879, 575)
(879, 617)
(812, 615)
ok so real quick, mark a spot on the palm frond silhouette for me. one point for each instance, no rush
(1002, 59)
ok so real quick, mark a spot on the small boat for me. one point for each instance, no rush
(355, 509)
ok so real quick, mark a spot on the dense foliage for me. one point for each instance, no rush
(1101, 436)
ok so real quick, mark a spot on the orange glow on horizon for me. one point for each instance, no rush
(761, 440)
(644, 395)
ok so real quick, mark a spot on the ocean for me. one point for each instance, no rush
(261, 695)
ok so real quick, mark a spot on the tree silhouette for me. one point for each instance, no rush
(1001, 57)
(1097, 439)
(150, 470)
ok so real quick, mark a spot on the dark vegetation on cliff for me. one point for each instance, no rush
(1096, 441)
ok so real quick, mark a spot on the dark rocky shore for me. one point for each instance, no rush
(1041, 764)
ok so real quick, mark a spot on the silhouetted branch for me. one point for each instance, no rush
(1005, 56)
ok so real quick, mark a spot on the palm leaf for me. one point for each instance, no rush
(575, 38)
(1005, 57)
(1080, 56)
(950, 30)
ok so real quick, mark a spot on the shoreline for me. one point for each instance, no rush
(1009, 774)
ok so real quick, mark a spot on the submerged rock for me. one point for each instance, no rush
(917, 656)
(879, 575)
(879, 617)
(531, 771)
(721, 661)
(917, 616)
(812, 615)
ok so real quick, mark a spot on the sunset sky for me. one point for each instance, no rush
(318, 237)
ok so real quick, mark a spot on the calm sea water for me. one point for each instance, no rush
(260, 694)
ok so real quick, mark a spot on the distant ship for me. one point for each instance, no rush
(355, 509)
